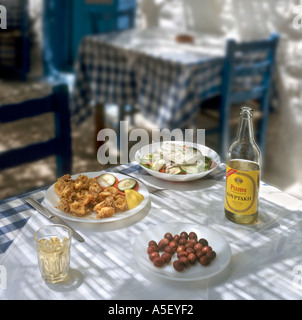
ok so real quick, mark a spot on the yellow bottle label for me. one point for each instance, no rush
(241, 195)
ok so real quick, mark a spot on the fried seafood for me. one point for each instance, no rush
(78, 208)
(61, 184)
(112, 190)
(103, 195)
(82, 196)
(120, 204)
(104, 204)
(64, 205)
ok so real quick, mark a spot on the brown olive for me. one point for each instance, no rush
(193, 241)
(190, 250)
(189, 245)
(152, 243)
(184, 260)
(178, 266)
(204, 242)
(192, 235)
(169, 249)
(199, 254)
(168, 236)
(173, 244)
(176, 238)
(167, 257)
(182, 241)
(198, 246)
(181, 254)
(180, 248)
(211, 255)
(159, 262)
(153, 255)
(184, 235)
(205, 260)
(206, 249)
(152, 249)
(162, 243)
(192, 258)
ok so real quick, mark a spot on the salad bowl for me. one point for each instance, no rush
(156, 160)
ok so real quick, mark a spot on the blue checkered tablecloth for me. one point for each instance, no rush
(165, 79)
(14, 215)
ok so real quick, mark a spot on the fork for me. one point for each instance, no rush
(153, 190)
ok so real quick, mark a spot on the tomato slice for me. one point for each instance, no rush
(137, 186)
(116, 183)
(163, 169)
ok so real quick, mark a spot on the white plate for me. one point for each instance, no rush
(52, 200)
(170, 177)
(193, 272)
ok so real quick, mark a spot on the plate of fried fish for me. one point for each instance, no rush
(96, 197)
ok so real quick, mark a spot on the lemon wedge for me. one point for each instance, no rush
(133, 198)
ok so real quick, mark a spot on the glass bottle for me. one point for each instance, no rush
(243, 173)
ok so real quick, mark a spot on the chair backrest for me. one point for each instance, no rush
(249, 68)
(102, 22)
(247, 75)
(60, 145)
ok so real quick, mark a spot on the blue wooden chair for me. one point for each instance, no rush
(102, 22)
(247, 76)
(60, 146)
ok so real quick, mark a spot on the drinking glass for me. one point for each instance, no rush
(53, 248)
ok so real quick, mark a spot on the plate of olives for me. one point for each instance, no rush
(182, 251)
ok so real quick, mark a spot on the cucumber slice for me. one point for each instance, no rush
(174, 170)
(203, 166)
(146, 165)
(208, 159)
(106, 180)
(189, 169)
(209, 162)
(146, 159)
(126, 184)
(158, 165)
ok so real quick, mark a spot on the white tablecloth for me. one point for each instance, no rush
(266, 258)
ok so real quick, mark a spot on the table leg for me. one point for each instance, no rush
(99, 123)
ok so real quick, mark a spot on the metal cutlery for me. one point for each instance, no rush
(53, 218)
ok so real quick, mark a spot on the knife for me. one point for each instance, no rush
(53, 218)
